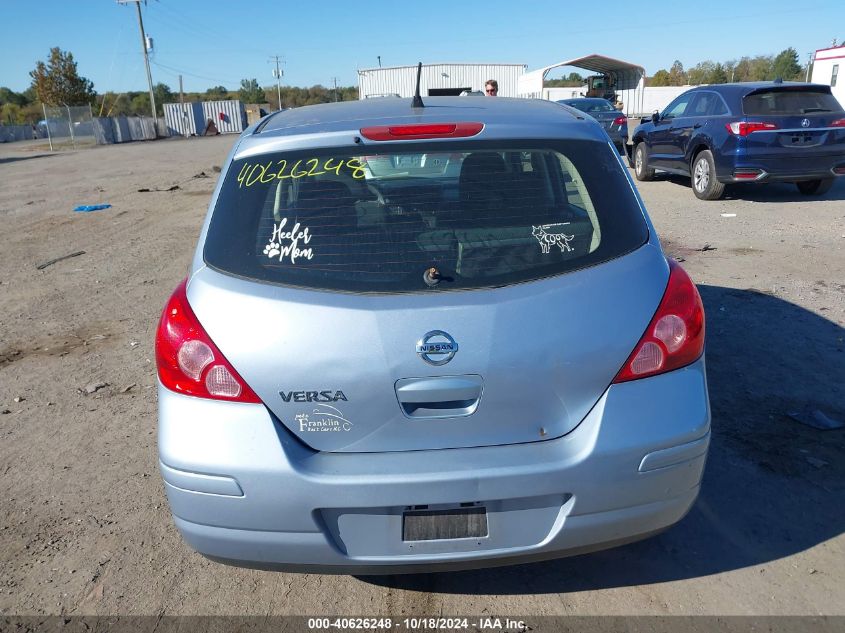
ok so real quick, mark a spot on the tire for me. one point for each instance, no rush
(641, 169)
(815, 187)
(703, 174)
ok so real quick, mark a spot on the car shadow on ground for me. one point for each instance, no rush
(773, 486)
(772, 192)
(14, 159)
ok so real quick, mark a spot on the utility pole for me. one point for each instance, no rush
(334, 79)
(379, 60)
(277, 73)
(809, 61)
(144, 50)
(184, 114)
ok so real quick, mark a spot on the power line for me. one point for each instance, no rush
(199, 29)
(180, 71)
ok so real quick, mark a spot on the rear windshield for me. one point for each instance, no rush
(423, 217)
(591, 105)
(789, 102)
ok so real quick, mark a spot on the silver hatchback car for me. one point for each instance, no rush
(416, 339)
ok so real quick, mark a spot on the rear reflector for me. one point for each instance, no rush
(744, 128)
(747, 174)
(420, 131)
(189, 362)
(675, 336)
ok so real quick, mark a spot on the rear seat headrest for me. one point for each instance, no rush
(323, 194)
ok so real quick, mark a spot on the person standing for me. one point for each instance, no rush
(491, 88)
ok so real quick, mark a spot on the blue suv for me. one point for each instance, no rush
(748, 132)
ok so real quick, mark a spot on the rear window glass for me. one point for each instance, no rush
(423, 217)
(790, 102)
(592, 105)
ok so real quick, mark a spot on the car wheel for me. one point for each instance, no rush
(641, 168)
(704, 183)
(814, 187)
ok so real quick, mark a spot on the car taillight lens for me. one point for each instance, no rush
(838, 123)
(744, 128)
(420, 131)
(675, 336)
(620, 120)
(189, 362)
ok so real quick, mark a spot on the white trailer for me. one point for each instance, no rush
(827, 65)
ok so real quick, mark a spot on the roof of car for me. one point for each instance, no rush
(335, 124)
(384, 111)
(752, 86)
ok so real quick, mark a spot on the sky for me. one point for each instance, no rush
(212, 42)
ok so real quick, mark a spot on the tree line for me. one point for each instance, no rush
(57, 82)
(760, 68)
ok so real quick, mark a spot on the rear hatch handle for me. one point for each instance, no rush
(439, 396)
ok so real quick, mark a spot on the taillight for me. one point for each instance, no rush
(620, 120)
(675, 336)
(188, 360)
(838, 123)
(744, 128)
(420, 131)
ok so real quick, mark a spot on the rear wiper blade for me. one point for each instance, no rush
(807, 110)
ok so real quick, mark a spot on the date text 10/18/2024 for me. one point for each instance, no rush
(417, 624)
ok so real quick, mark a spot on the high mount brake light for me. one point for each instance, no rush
(420, 131)
(675, 336)
(188, 360)
(744, 128)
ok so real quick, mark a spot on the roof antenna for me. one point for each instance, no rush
(418, 102)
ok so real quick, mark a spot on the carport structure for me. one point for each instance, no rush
(629, 78)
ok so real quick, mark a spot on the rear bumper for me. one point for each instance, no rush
(243, 491)
(781, 169)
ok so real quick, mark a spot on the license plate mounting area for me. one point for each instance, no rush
(421, 523)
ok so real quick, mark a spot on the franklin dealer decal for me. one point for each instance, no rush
(324, 418)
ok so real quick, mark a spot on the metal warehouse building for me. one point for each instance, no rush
(438, 79)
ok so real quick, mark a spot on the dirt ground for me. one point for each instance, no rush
(84, 523)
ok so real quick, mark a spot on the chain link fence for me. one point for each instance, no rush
(68, 127)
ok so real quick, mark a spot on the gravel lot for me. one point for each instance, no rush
(84, 524)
